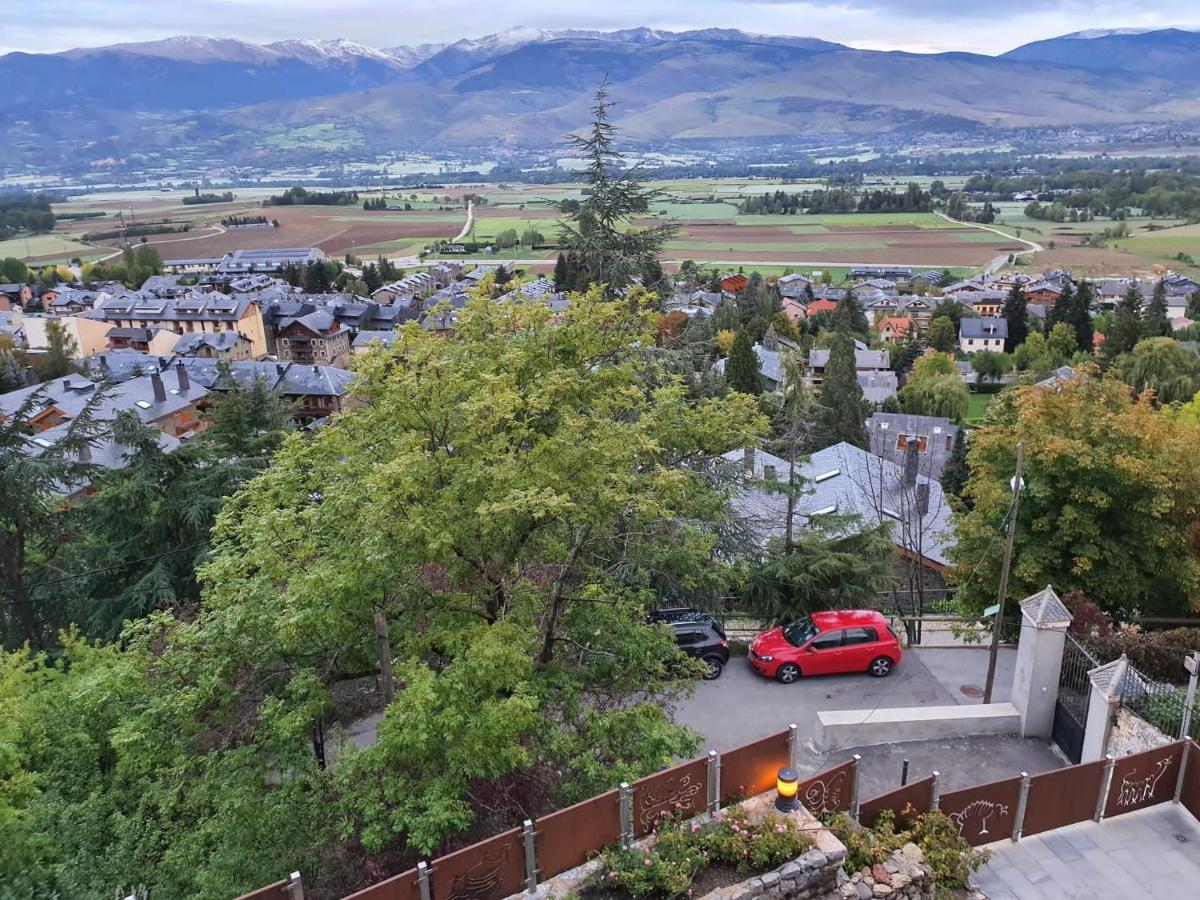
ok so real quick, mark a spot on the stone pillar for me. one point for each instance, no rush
(1044, 623)
(1107, 681)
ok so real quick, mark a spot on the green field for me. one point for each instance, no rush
(771, 247)
(978, 405)
(326, 136)
(56, 245)
(693, 211)
(1164, 245)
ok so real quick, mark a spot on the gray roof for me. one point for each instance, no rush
(844, 479)
(884, 429)
(878, 386)
(208, 307)
(1058, 376)
(71, 394)
(103, 452)
(288, 379)
(994, 327)
(366, 338)
(769, 364)
(193, 341)
(866, 360)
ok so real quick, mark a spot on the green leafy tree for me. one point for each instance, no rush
(511, 501)
(843, 409)
(1161, 365)
(61, 353)
(597, 232)
(942, 335)
(741, 369)
(939, 395)
(13, 271)
(1156, 322)
(1062, 341)
(1193, 307)
(1110, 508)
(991, 365)
(1016, 313)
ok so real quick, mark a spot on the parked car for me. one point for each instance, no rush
(851, 640)
(698, 634)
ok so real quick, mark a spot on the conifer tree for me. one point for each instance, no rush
(844, 412)
(741, 369)
(1016, 312)
(957, 469)
(1156, 323)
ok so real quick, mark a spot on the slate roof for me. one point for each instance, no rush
(769, 364)
(844, 479)
(104, 452)
(366, 338)
(995, 327)
(878, 386)
(193, 341)
(883, 430)
(208, 307)
(1044, 609)
(864, 359)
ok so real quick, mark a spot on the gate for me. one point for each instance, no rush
(1074, 692)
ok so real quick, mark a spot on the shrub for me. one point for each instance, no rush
(1156, 654)
(947, 854)
(664, 870)
(736, 842)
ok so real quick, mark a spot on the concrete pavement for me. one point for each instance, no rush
(1152, 853)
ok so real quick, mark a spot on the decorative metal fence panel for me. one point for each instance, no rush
(1062, 797)
(566, 838)
(1143, 779)
(1190, 796)
(914, 797)
(751, 768)
(681, 790)
(398, 887)
(276, 891)
(828, 791)
(983, 813)
(488, 870)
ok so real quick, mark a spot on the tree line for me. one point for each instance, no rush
(838, 200)
(299, 196)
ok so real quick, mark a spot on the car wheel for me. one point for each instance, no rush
(712, 667)
(881, 667)
(787, 673)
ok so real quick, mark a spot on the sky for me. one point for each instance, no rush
(981, 26)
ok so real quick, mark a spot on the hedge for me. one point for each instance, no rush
(1156, 654)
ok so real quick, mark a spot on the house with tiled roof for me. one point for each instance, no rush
(895, 329)
(734, 283)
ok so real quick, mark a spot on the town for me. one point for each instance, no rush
(604, 535)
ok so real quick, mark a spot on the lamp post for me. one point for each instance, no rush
(787, 783)
(1018, 485)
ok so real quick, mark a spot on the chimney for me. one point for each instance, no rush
(185, 383)
(748, 462)
(922, 499)
(160, 392)
(769, 473)
(910, 462)
(280, 368)
(85, 452)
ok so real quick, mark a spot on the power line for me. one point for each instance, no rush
(100, 571)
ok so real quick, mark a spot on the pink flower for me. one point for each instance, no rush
(695, 827)
(646, 861)
(612, 874)
(780, 829)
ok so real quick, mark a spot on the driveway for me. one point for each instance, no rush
(741, 706)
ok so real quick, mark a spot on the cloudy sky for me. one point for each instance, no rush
(918, 25)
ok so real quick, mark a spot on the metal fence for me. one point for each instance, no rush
(1172, 710)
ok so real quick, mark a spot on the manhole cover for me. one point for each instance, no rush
(969, 690)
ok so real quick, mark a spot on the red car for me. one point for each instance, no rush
(849, 640)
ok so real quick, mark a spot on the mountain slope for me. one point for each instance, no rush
(1169, 52)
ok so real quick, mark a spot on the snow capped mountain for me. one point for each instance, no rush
(1091, 34)
(337, 50)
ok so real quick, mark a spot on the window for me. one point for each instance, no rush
(949, 443)
(859, 636)
(827, 641)
(688, 638)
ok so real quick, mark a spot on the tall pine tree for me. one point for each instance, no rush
(849, 316)
(1017, 314)
(843, 410)
(1079, 316)
(741, 369)
(1156, 322)
(957, 469)
(1126, 330)
(562, 273)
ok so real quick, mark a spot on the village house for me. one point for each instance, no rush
(211, 313)
(158, 341)
(228, 346)
(14, 295)
(865, 360)
(890, 434)
(895, 329)
(1047, 293)
(315, 338)
(982, 334)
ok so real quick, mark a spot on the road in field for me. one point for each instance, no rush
(998, 262)
(466, 229)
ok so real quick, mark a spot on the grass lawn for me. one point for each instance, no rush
(46, 245)
(978, 405)
(693, 211)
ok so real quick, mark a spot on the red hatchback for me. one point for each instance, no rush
(850, 640)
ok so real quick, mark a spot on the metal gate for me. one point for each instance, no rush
(1074, 692)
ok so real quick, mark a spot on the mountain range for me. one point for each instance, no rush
(528, 87)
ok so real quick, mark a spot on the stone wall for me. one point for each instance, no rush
(1133, 734)
(902, 876)
(813, 876)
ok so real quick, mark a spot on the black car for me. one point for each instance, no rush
(698, 634)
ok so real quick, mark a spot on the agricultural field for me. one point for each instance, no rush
(50, 248)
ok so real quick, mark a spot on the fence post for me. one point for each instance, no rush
(1105, 784)
(714, 782)
(625, 795)
(1183, 763)
(793, 746)
(527, 833)
(1193, 667)
(935, 792)
(294, 887)
(1022, 799)
(854, 786)
(423, 880)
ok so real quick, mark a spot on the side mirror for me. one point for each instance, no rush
(809, 648)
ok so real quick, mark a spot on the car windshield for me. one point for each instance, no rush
(800, 632)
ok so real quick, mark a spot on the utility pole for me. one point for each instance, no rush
(1008, 550)
(385, 658)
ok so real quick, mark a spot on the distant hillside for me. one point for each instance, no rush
(1168, 52)
(527, 88)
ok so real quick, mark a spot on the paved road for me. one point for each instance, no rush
(998, 262)
(1151, 853)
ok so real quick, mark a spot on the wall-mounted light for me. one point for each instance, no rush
(787, 783)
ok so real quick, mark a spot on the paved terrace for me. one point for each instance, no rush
(1152, 853)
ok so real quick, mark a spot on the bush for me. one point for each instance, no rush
(947, 854)
(682, 849)
(1156, 654)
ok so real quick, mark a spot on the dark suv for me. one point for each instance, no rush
(697, 634)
